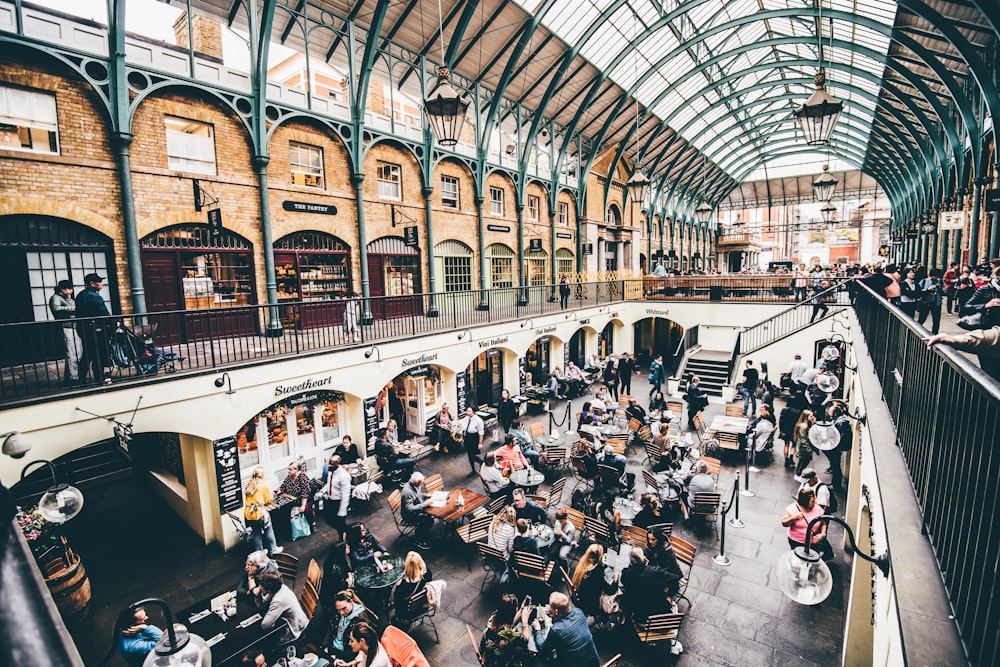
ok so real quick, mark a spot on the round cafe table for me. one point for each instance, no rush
(527, 479)
(546, 441)
(369, 577)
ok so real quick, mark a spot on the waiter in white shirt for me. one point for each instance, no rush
(337, 492)
(473, 429)
(796, 370)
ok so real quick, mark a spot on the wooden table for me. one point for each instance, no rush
(733, 425)
(228, 639)
(449, 513)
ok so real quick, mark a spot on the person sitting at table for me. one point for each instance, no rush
(614, 460)
(388, 453)
(502, 643)
(551, 388)
(699, 481)
(362, 546)
(590, 424)
(660, 554)
(584, 452)
(574, 379)
(591, 582)
(525, 508)
(657, 403)
(522, 438)
(392, 432)
(363, 640)
(414, 503)
(593, 363)
(350, 611)
(494, 482)
(281, 606)
(524, 540)
(297, 485)
(442, 432)
(758, 430)
(257, 563)
(137, 636)
(645, 587)
(337, 574)
(256, 495)
(664, 444)
(416, 575)
(348, 451)
(509, 456)
(635, 411)
(568, 640)
(599, 403)
(649, 512)
(567, 538)
(502, 531)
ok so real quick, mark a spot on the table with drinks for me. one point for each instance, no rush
(231, 625)
(527, 478)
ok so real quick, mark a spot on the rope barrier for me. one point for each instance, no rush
(751, 452)
(721, 558)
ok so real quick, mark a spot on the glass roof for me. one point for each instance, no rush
(705, 67)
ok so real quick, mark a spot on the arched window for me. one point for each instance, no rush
(501, 265)
(613, 216)
(565, 262)
(453, 261)
(538, 264)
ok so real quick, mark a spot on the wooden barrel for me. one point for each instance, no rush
(69, 587)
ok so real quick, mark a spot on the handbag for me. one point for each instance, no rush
(609, 603)
(300, 526)
(244, 531)
(971, 322)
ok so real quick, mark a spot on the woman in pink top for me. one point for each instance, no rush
(797, 518)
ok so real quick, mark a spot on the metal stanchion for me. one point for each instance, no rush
(721, 558)
(746, 484)
(753, 460)
(735, 521)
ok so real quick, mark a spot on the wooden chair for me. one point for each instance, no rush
(555, 458)
(714, 465)
(734, 411)
(698, 422)
(729, 441)
(634, 425)
(658, 628)
(613, 662)
(650, 481)
(396, 505)
(475, 644)
(675, 408)
(610, 479)
(375, 476)
(288, 566)
(532, 567)
(433, 483)
(580, 471)
(635, 535)
(577, 518)
(494, 564)
(556, 492)
(653, 454)
(539, 499)
(309, 598)
(645, 433)
(536, 430)
(600, 531)
(706, 505)
(618, 444)
(475, 531)
(684, 552)
(497, 504)
(314, 575)
(418, 610)
(666, 527)
(570, 588)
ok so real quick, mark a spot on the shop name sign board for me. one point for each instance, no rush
(544, 330)
(422, 359)
(498, 228)
(952, 220)
(227, 474)
(992, 199)
(309, 383)
(306, 207)
(535, 245)
(410, 237)
(563, 235)
(492, 342)
(656, 311)
(588, 248)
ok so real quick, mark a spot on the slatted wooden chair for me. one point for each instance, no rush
(539, 499)
(734, 411)
(600, 531)
(613, 662)
(714, 465)
(475, 531)
(728, 441)
(536, 430)
(658, 628)
(555, 459)
(555, 493)
(494, 564)
(684, 552)
(651, 484)
(645, 433)
(396, 505)
(314, 574)
(309, 599)
(580, 471)
(698, 422)
(634, 425)
(610, 479)
(570, 588)
(475, 644)
(706, 505)
(418, 611)
(618, 444)
(532, 567)
(652, 454)
(675, 408)
(433, 483)
(577, 518)
(288, 566)
(497, 504)
(635, 535)
(666, 527)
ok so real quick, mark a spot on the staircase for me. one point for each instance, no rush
(713, 373)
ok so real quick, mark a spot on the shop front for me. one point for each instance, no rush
(312, 268)
(304, 425)
(394, 272)
(486, 378)
(537, 364)
(576, 350)
(189, 268)
(413, 399)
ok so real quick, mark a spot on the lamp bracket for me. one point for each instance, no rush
(399, 217)
(125, 427)
(202, 197)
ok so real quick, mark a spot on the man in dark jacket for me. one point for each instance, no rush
(414, 501)
(646, 587)
(93, 333)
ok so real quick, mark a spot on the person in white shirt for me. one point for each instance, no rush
(473, 429)
(493, 480)
(337, 493)
(796, 370)
(822, 490)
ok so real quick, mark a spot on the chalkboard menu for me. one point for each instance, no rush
(227, 474)
(461, 384)
(371, 420)
(565, 356)
(522, 369)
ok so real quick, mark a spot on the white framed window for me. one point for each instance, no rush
(501, 260)
(613, 216)
(28, 121)
(190, 145)
(564, 262)
(496, 201)
(390, 181)
(306, 164)
(449, 192)
(534, 205)
(562, 215)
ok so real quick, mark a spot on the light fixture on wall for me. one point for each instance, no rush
(466, 336)
(805, 578)
(15, 445)
(527, 324)
(60, 502)
(374, 351)
(444, 106)
(231, 399)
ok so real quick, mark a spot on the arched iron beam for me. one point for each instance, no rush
(991, 12)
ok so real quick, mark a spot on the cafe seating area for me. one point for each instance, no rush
(598, 504)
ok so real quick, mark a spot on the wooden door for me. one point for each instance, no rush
(161, 279)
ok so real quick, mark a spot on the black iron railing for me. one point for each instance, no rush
(947, 417)
(688, 340)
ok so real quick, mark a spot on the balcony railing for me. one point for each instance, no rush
(947, 416)
(145, 348)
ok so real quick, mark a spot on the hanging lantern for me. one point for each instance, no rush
(703, 212)
(638, 186)
(820, 113)
(445, 109)
(828, 212)
(824, 185)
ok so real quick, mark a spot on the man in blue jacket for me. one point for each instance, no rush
(568, 637)
(93, 333)
(138, 637)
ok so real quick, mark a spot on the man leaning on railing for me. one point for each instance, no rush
(985, 343)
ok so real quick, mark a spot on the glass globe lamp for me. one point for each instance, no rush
(179, 649)
(830, 353)
(827, 382)
(804, 577)
(60, 502)
(824, 436)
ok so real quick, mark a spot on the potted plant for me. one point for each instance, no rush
(60, 566)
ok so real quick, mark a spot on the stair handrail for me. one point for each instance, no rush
(741, 348)
(687, 341)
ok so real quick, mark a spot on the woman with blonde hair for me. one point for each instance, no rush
(502, 532)
(416, 574)
(803, 448)
(257, 494)
(590, 581)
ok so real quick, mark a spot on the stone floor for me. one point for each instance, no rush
(134, 546)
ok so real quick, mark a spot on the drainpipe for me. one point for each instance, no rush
(358, 180)
(274, 328)
(122, 141)
(432, 308)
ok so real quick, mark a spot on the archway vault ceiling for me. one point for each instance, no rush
(701, 70)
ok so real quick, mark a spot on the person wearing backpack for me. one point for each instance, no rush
(655, 375)
(931, 293)
(824, 497)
